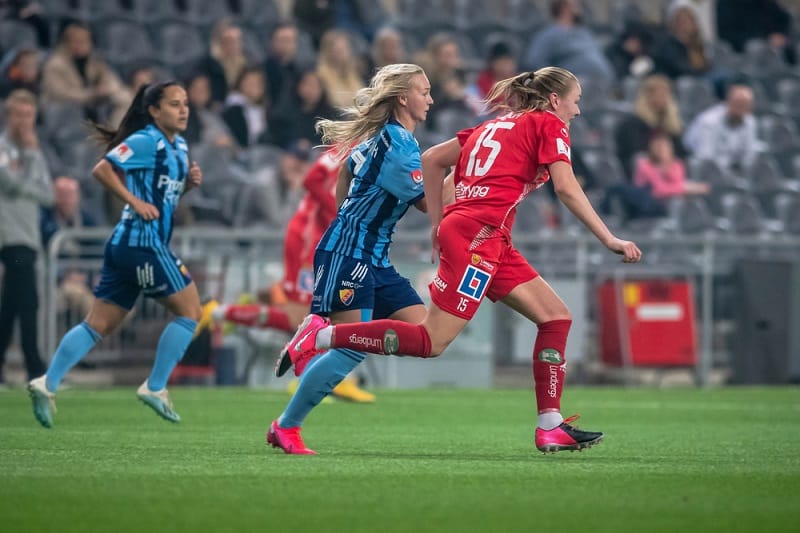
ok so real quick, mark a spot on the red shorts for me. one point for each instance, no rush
(475, 261)
(298, 264)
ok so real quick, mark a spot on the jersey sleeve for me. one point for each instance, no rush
(463, 135)
(401, 173)
(135, 152)
(554, 144)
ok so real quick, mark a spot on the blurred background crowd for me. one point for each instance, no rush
(681, 98)
(689, 125)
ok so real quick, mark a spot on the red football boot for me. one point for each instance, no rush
(300, 350)
(287, 439)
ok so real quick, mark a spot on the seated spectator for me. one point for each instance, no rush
(705, 12)
(74, 294)
(726, 132)
(569, 44)
(738, 21)
(630, 53)
(387, 49)
(659, 175)
(225, 61)
(204, 126)
(655, 110)
(682, 51)
(339, 69)
(22, 72)
(452, 95)
(500, 64)
(74, 74)
(296, 120)
(281, 66)
(245, 110)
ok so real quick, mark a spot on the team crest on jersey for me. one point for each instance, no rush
(416, 175)
(346, 296)
(474, 283)
(478, 261)
(122, 152)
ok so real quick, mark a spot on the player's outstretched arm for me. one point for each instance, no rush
(571, 194)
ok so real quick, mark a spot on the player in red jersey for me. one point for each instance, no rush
(314, 214)
(497, 164)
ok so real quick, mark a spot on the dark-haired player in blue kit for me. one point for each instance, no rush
(354, 279)
(151, 158)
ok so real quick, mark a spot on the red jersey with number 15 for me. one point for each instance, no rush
(503, 160)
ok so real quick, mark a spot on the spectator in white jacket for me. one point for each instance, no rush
(726, 132)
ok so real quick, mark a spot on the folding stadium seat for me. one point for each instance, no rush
(203, 14)
(14, 33)
(778, 133)
(694, 95)
(788, 90)
(261, 155)
(157, 12)
(259, 14)
(605, 167)
(760, 59)
(124, 43)
(105, 10)
(788, 212)
(255, 44)
(693, 216)
(743, 214)
(451, 121)
(180, 44)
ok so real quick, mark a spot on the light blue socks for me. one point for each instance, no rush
(75, 344)
(171, 346)
(321, 375)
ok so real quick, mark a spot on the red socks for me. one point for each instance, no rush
(549, 366)
(256, 315)
(387, 337)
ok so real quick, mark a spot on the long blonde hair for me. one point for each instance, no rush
(373, 106)
(530, 90)
(670, 119)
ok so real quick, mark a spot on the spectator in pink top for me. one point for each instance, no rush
(658, 176)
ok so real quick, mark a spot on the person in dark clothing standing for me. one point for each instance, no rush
(24, 187)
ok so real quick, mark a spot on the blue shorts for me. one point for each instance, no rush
(128, 271)
(343, 283)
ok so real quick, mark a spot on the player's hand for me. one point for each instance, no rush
(145, 210)
(434, 244)
(628, 249)
(195, 175)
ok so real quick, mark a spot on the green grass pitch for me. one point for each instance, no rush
(415, 461)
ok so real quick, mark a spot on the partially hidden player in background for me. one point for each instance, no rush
(498, 163)
(315, 212)
(151, 157)
(354, 279)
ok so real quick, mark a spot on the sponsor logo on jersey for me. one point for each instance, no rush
(563, 148)
(174, 187)
(391, 343)
(122, 152)
(416, 175)
(474, 283)
(346, 296)
(472, 191)
(439, 283)
(305, 280)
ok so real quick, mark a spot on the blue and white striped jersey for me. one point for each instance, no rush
(387, 179)
(155, 171)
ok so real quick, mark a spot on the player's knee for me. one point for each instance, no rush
(194, 313)
(438, 346)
